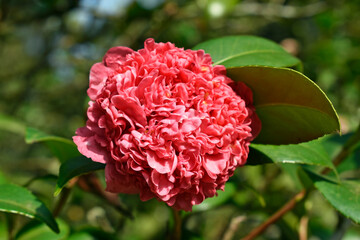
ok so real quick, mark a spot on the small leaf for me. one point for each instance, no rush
(19, 200)
(344, 196)
(291, 107)
(62, 148)
(310, 153)
(39, 231)
(75, 167)
(237, 51)
(222, 197)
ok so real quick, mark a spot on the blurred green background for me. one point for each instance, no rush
(48, 47)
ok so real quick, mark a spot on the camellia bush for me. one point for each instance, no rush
(174, 124)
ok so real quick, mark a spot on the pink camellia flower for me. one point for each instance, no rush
(166, 123)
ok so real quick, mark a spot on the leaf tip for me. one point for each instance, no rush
(57, 191)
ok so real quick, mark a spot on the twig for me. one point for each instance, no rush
(65, 193)
(276, 216)
(303, 229)
(176, 234)
(234, 223)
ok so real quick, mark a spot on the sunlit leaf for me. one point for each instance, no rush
(62, 148)
(344, 196)
(75, 167)
(40, 231)
(236, 51)
(291, 107)
(19, 200)
(310, 153)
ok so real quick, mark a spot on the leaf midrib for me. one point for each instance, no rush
(246, 53)
(260, 106)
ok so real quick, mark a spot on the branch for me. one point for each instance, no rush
(276, 216)
(303, 229)
(234, 223)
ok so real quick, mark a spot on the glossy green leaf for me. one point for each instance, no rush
(62, 148)
(19, 200)
(344, 196)
(221, 198)
(75, 167)
(310, 153)
(291, 107)
(41, 232)
(237, 51)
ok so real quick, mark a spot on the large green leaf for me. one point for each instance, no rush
(291, 107)
(41, 232)
(310, 153)
(75, 167)
(64, 149)
(236, 51)
(19, 200)
(344, 196)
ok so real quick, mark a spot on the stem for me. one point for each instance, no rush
(303, 229)
(276, 216)
(234, 223)
(65, 193)
(176, 234)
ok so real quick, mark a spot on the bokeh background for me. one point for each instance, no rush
(48, 47)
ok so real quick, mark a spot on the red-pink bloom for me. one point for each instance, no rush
(166, 123)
